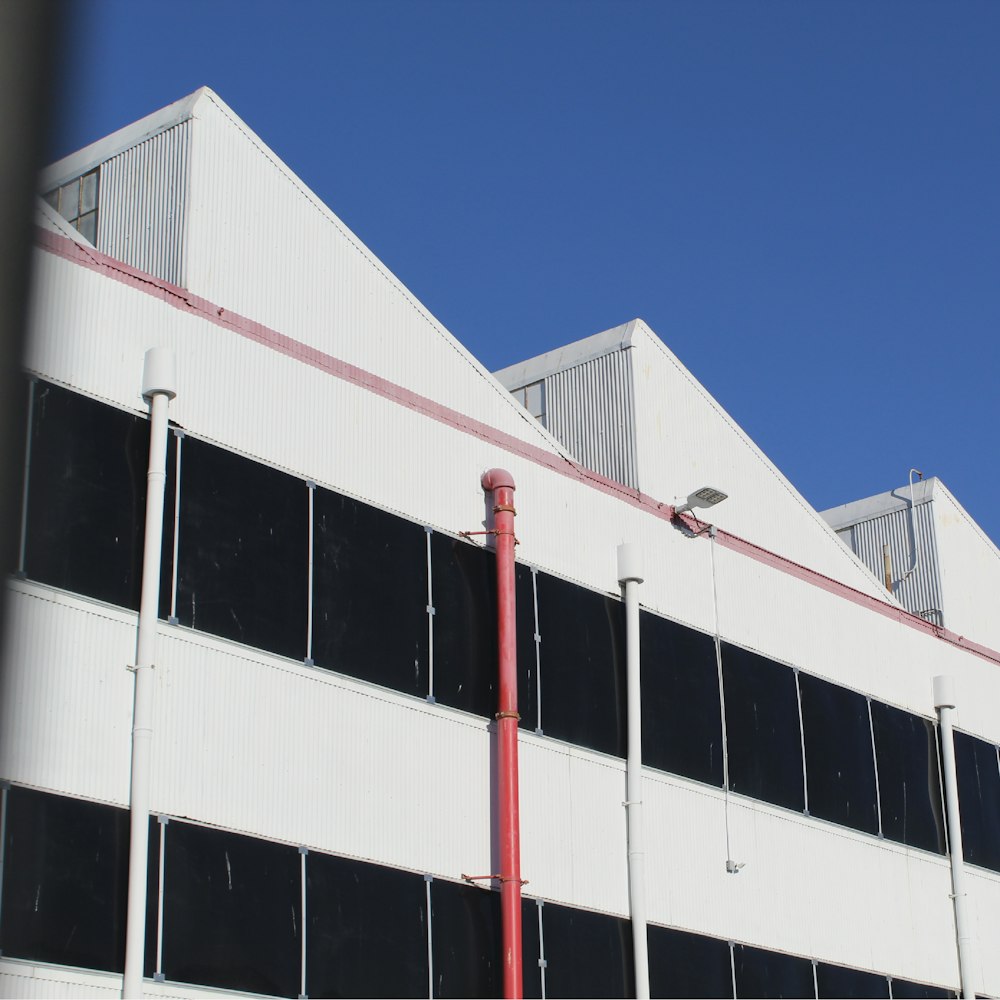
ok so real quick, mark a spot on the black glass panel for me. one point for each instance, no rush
(908, 782)
(762, 728)
(366, 563)
(152, 896)
(22, 387)
(979, 799)
(587, 954)
(87, 497)
(834, 981)
(367, 932)
(681, 714)
(530, 952)
(688, 965)
(243, 561)
(466, 941)
(840, 764)
(231, 911)
(761, 973)
(527, 666)
(465, 629)
(65, 881)
(903, 989)
(583, 665)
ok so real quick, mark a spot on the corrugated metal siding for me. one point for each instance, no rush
(143, 201)
(589, 408)
(262, 245)
(66, 697)
(806, 888)
(921, 591)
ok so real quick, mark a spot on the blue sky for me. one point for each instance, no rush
(801, 198)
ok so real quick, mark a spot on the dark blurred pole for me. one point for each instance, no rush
(29, 50)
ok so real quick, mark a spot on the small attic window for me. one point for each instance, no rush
(532, 398)
(76, 202)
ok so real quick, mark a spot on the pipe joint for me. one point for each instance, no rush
(495, 479)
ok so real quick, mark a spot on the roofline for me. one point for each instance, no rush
(618, 338)
(83, 160)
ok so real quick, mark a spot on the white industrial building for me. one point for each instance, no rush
(322, 771)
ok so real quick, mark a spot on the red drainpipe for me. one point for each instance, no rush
(501, 484)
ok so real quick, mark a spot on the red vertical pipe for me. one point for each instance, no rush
(501, 484)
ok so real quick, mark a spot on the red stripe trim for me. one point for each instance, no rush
(184, 300)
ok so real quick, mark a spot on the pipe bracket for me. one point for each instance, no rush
(508, 715)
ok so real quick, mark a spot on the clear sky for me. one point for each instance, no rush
(801, 198)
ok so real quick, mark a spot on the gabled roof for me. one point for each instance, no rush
(679, 439)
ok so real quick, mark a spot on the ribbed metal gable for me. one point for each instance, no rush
(142, 204)
(590, 409)
(912, 542)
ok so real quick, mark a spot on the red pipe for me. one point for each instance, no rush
(501, 484)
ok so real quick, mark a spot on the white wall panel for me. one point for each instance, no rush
(66, 703)
(292, 265)
(970, 571)
(30, 980)
(984, 900)
(686, 440)
(807, 887)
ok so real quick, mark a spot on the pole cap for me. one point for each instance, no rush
(159, 373)
(629, 562)
(944, 691)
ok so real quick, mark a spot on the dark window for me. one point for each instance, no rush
(87, 497)
(65, 881)
(582, 665)
(979, 800)
(152, 896)
(466, 941)
(465, 629)
(761, 973)
(834, 981)
(840, 765)
(368, 562)
(231, 911)
(688, 965)
(530, 951)
(367, 933)
(243, 550)
(903, 989)
(762, 728)
(587, 954)
(77, 203)
(681, 715)
(908, 782)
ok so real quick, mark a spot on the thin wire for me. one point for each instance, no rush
(722, 693)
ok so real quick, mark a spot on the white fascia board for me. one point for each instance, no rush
(849, 514)
(72, 166)
(522, 373)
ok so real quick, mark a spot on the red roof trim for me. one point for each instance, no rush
(184, 300)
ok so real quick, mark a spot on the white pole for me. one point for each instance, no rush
(630, 576)
(158, 387)
(944, 702)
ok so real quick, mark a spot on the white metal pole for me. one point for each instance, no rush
(630, 576)
(944, 702)
(158, 387)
